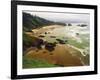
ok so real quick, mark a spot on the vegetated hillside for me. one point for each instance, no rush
(31, 22)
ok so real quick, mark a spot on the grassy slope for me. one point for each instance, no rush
(34, 63)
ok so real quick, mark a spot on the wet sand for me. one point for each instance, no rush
(62, 55)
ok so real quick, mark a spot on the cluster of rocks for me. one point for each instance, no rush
(48, 46)
(40, 43)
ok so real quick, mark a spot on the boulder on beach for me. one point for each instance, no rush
(38, 43)
(41, 36)
(52, 36)
(50, 46)
(60, 41)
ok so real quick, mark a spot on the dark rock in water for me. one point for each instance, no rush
(60, 41)
(83, 25)
(66, 41)
(41, 36)
(77, 34)
(69, 24)
(53, 36)
(55, 43)
(49, 46)
(45, 32)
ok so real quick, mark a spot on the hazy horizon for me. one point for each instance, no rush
(62, 17)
